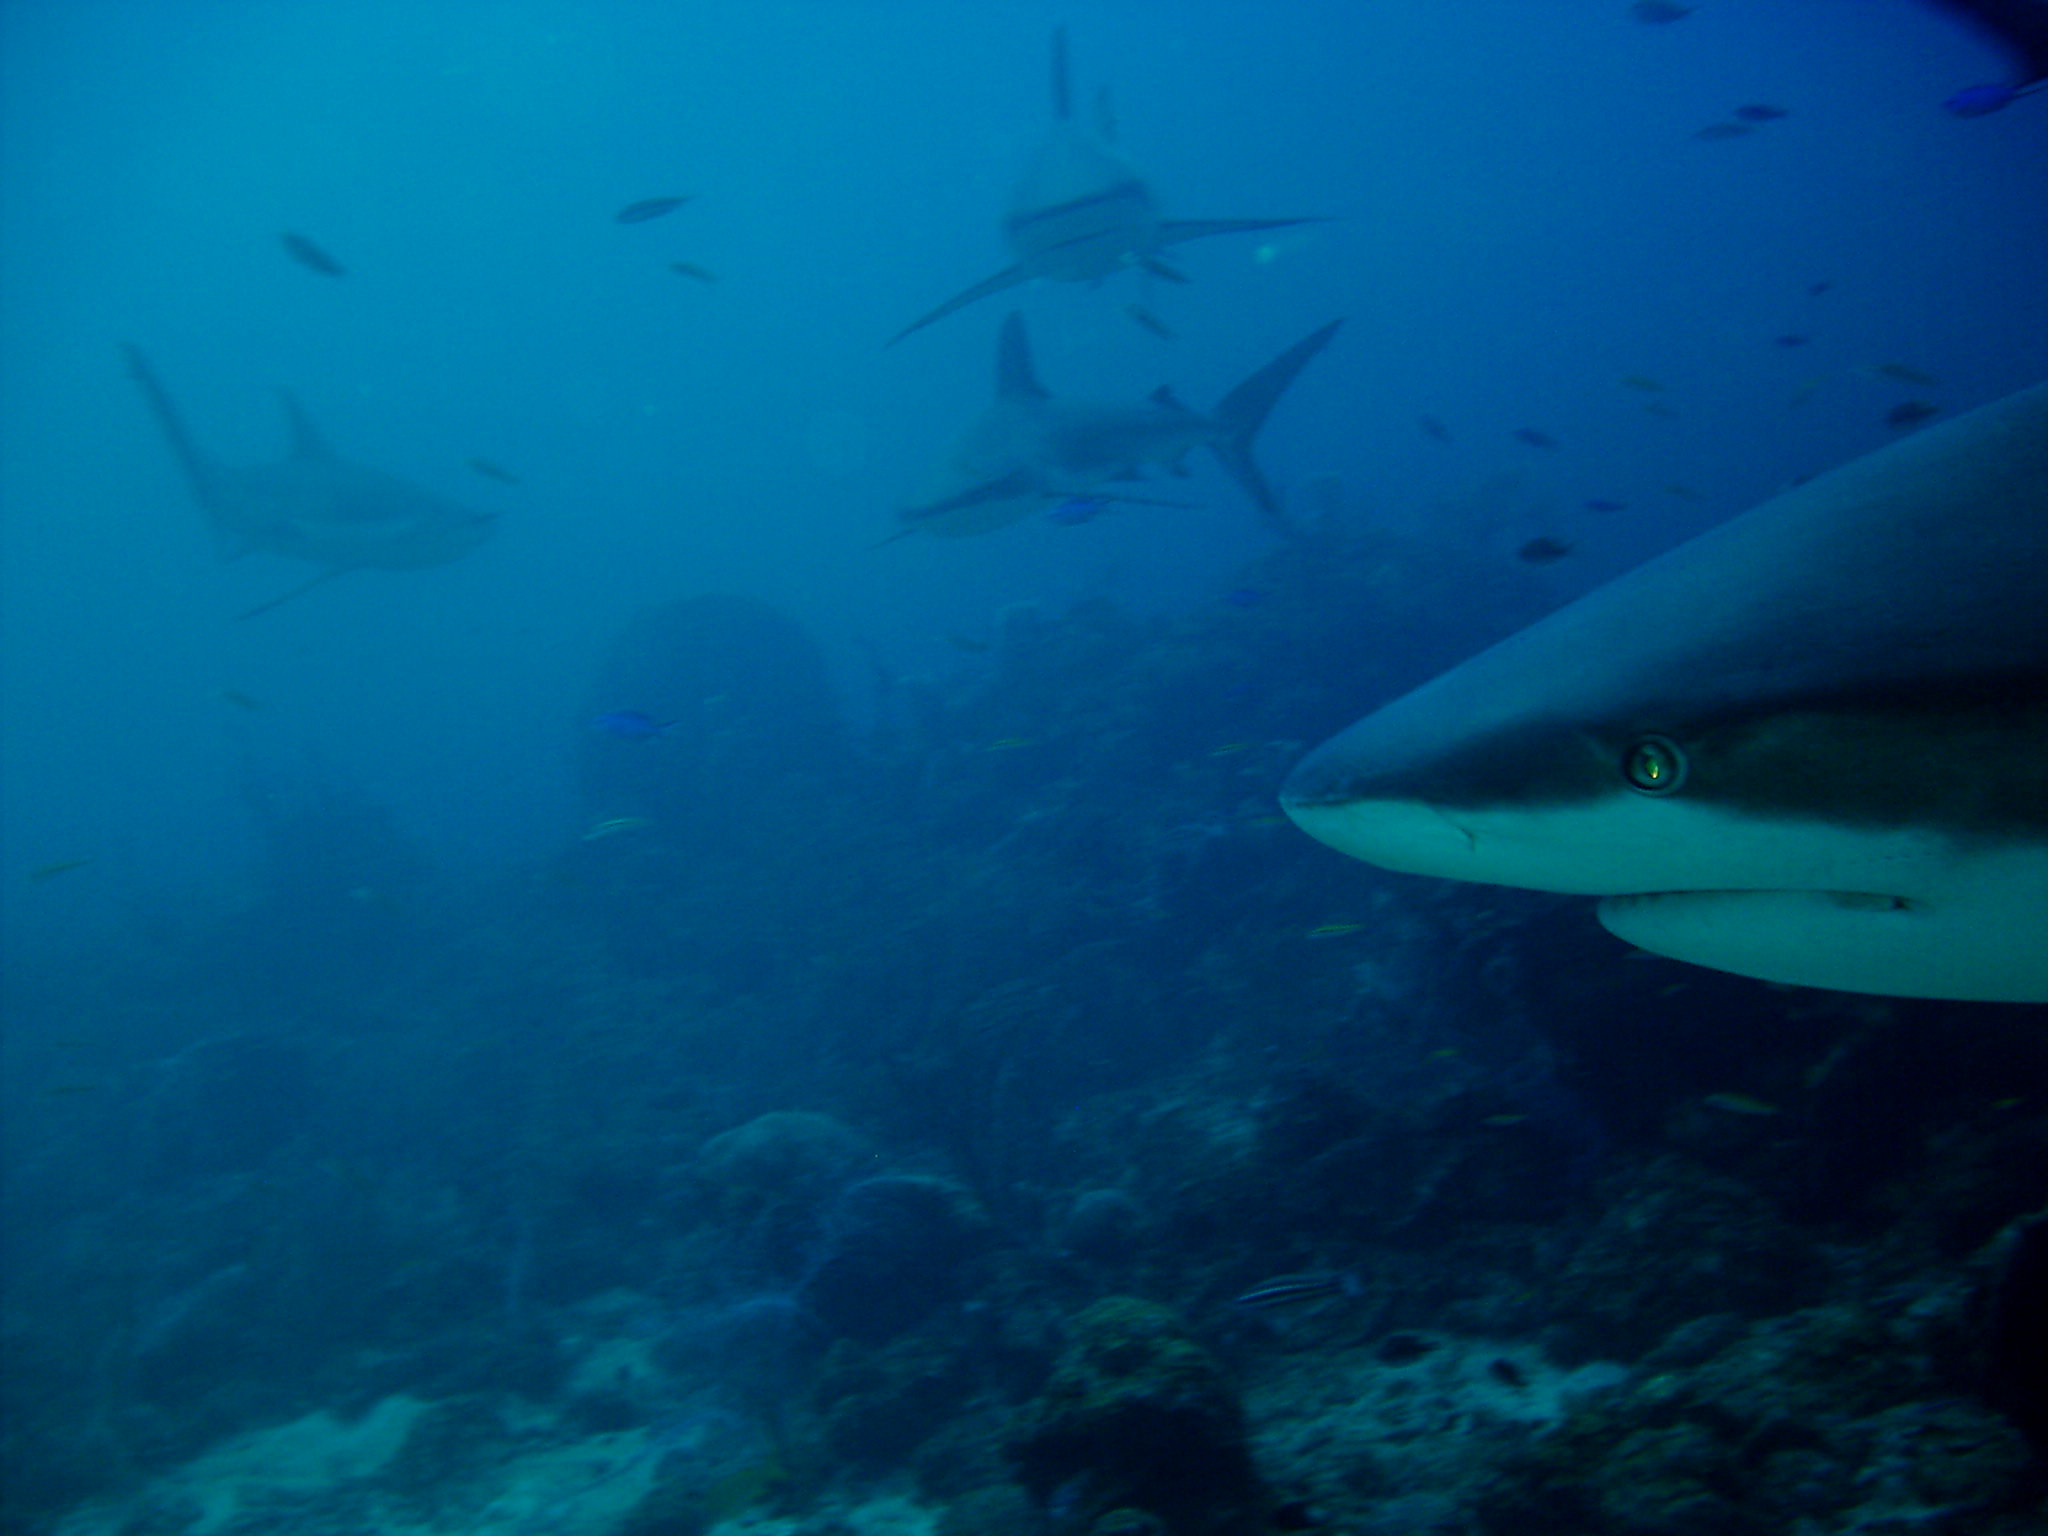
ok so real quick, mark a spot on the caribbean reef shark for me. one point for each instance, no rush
(1808, 746)
(313, 505)
(1029, 451)
(1081, 211)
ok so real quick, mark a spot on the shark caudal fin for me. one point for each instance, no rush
(1243, 411)
(190, 459)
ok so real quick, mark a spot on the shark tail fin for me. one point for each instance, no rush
(166, 412)
(1243, 411)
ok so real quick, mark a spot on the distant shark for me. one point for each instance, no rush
(1081, 211)
(314, 505)
(1030, 452)
(1808, 746)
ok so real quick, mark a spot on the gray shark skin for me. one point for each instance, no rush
(1081, 211)
(1029, 451)
(1809, 746)
(313, 505)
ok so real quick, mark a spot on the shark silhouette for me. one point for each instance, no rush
(1081, 211)
(1029, 451)
(313, 505)
(1809, 746)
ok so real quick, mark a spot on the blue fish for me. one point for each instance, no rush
(632, 724)
(1980, 100)
(1075, 510)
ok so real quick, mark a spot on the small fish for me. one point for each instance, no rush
(1534, 438)
(648, 208)
(1760, 112)
(632, 724)
(1545, 550)
(1681, 491)
(616, 825)
(1643, 382)
(1910, 413)
(307, 254)
(1818, 287)
(691, 269)
(1740, 1104)
(1506, 1372)
(974, 645)
(1660, 408)
(1715, 131)
(1244, 597)
(1150, 321)
(1010, 743)
(491, 470)
(1981, 100)
(1906, 373)
(1659, 12)
(246, 702)
(1290, 1290)
(1230, 749)
(1602, 504)
(1334, 930)
(58, 867)
(1075, 510)
(1790, 339)
(1431, 427)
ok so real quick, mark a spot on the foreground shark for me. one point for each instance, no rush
(1081, 211)
(313, 505)
(1030, 452)
(1809, 746)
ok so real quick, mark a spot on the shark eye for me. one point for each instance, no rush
(1654, 765)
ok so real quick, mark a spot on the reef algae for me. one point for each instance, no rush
(1138, 1416)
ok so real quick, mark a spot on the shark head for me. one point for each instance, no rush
(1810, 746)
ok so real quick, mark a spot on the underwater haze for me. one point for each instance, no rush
(737, 939)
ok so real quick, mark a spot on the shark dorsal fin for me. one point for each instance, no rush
(1165, 396)
(1014, 377)
(307, 443)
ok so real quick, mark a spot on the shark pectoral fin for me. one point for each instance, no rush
(1009, 277)
(1976, 950)
(302, 588)
(1176, 231)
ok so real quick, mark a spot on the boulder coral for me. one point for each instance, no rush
(1138, 1422)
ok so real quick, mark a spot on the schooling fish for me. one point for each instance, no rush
(648, 208)
(1534, 438)
(1544, 550)
(491, 470)
(691, 269)
(1604, 504)
(1910, 413)
(632, 724)
(307, 254)
(1760, 112)
(1149, 321)
(1291, 1290)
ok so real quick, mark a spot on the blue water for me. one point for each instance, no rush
(1519, 225)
